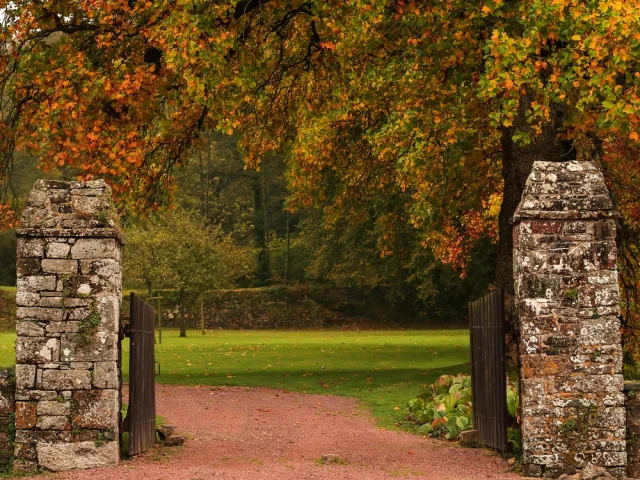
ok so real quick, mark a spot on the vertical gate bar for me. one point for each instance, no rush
(472, 346)
(499, 380)
(488, 384)
(483, 371)
(494, 369)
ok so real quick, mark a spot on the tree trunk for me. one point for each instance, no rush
(260, 230)
(286, 258)
(183, 320)
(517, 162)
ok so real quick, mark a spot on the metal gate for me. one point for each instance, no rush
(141, 414)
(488, 378)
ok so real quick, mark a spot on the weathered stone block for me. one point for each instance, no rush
(66, 379)
(57, 265)
(600, 331)
(468, 439)
(27, 299)
(27, 328)
(67, 302)
(46, 436)
(36, 395)
(30, 247)
(541, 286)
(58, 250)
(25, 376)
(37, 349)
(68, 456)
(48, 422)
(40, 313)
(36, 283)
(28, 266)
(80, 365)
(95, 409)
(94, 248)
(57, 328)
(92, 347)
(534, 366)
(55, 408)
(109, 311)
(25, 415)
(105, 375)
(25, 451)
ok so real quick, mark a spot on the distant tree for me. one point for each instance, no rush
(214, 182)
(145, 261)
(178, 251)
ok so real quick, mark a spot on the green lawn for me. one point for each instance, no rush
(384, 369)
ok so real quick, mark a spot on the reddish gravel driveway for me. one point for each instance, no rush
(256, 433)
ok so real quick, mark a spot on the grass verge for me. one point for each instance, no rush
(384, 369)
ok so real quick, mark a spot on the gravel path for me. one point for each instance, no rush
(257, 433)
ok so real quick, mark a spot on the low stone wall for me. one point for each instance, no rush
(632, 404)
(262, 308)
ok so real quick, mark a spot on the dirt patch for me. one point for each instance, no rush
(258, 433)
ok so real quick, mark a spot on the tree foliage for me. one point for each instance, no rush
(443, 104)
(175, 250)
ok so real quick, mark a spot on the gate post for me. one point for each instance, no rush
(68, 297)
(566, 291)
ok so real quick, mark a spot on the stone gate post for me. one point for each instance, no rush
(566, 287)
(68, 297)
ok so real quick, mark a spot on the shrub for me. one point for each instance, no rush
(445, 409)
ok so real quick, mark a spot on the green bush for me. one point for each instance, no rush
(630, 371)
(445, 409)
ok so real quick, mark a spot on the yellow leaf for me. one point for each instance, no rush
(633, 136)
(486, 9)
(576, 37)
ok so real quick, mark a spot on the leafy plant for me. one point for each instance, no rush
(514, 437)
(445, 409)
(91, 322)
(567, 428)
(571, 294)
(102, 216)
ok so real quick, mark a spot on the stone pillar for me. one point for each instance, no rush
(566, 287)
(68, 297)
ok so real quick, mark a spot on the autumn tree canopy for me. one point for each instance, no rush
(442, 104)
